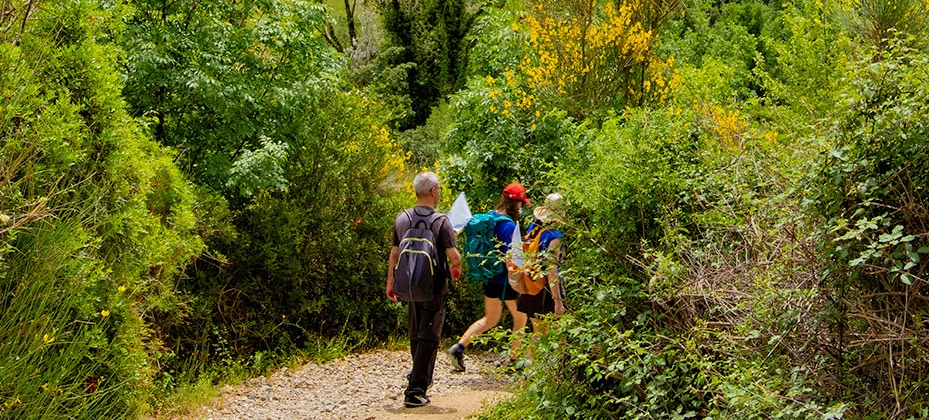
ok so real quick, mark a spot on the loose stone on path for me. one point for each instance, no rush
(362, 386)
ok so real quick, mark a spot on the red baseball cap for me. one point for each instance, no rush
(516, 191)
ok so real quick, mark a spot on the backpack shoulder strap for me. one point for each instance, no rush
(427, 221)
(435, 217)
(536, 234)
(410, 217)
(501, 218)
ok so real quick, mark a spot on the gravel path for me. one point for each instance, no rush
(362, 386)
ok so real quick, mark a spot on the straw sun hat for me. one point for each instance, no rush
(551, 210)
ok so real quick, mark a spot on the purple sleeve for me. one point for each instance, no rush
(447, 234)
(400, 223)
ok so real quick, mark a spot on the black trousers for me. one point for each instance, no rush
(426, 319)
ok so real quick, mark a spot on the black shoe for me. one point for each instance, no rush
(457, 357)
(415, 398)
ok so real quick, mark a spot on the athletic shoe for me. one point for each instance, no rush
(415, 398)
(457, 356)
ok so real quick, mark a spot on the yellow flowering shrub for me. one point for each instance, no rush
(596, 54)
(731, 129)
(393, 169)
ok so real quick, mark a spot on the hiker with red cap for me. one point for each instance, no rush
(497, 290)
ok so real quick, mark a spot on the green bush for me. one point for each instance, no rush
(298, 261)
(634, 175)
(868, 193)
(718, 46)
(96, 223)
(428, 38)
(298, 176)
(686, 274)
(501, 132)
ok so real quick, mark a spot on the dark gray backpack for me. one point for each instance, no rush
(418, 262)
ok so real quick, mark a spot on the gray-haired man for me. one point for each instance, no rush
(425, 318)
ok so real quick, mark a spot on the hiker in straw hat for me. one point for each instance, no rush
(550, 300)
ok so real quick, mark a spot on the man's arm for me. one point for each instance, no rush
(447, 238)
(391, 263)
(454, 259)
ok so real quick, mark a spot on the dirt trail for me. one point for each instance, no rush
(363, 386)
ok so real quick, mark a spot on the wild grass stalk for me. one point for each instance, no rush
(52, 354)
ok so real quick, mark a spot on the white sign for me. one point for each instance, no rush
(516, 247)
(460, 213)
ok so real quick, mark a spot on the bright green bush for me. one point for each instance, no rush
(626, 182)
(95, 223)
(226, 84)
(300, 260)
(717, 48)
(603, 363)
(686, 284)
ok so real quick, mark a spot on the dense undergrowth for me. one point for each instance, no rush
(192, 192)
(752, 247)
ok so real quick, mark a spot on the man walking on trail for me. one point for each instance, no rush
(425, 316)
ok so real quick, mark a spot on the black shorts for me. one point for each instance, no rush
(536, 305)
(494, 291)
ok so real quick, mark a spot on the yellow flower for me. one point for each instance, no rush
(105, 313)
(490, 80)
(47, 339)
(12, 403)
(4, 218)
(121, 289)
(533, 127)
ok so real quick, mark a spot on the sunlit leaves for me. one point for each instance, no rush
(216, 78)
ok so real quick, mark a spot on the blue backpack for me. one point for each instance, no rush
(418, 262)
(485, 261)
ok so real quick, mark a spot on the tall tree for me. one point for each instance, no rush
(432, 35)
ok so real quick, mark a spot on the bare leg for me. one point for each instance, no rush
(519, 318)
(538, 327)
(519, 326)
(492, 313)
